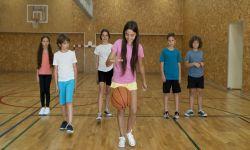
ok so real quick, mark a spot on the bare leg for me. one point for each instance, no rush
(165, 101)
(107, 97)
(132, 111)
(199, 99)
(176, 96)
(191, 98)
(69, 112)
(64, 113)
(121, 121)
(100, 94)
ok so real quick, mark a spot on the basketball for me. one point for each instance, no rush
(121, 98)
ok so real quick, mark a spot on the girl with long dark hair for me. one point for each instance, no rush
(44, 65)
(127, 53)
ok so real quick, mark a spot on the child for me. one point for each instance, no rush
(127, 53)
(44, 65)
(170, 59)
(104, 73)
(65, 79)
(195, 63)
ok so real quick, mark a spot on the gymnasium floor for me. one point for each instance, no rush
(226, 127)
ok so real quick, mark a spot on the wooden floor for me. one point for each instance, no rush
(226, 127)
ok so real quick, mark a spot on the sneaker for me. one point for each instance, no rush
(131, 139)
(122, 142)
(166, 115)
(176, 115)
(47, 111)
(99, 117)
(70, 129)
(201, 113)
(189, 113)
(41, 112)
(107, 113)
(64, 125)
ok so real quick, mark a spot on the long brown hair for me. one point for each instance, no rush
(40, 53)
(132, 25)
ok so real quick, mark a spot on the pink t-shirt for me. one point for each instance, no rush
(128, 76)
(45, 66)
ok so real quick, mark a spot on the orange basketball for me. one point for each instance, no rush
(121, 98)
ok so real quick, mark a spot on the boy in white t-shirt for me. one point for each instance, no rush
(105, 74)
(65, 73)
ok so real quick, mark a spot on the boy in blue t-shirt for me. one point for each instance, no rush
(195, 63)
(170, 59)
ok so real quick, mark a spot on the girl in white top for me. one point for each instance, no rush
(105, 74)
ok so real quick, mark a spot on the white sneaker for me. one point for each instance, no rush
(107, 113)
(41, 112)
(46, 111)
(122, 142)
(189, 113)
(99, 117)
(131, 139)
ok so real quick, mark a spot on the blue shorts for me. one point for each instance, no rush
(66, 91)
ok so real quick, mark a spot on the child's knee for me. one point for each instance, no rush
(133, 110)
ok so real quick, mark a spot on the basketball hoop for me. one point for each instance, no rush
(37, 14)
(35, 22)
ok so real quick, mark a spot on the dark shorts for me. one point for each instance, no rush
(105, 77)
(174, 84)
(195, 82)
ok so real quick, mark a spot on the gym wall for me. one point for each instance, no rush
(153, 17)
(210, 19)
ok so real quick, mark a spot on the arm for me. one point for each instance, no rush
(188, 65)
(96, 66)
(179, 64)
(37, 76)
(202, 60)
(112, 59)
(142, 71)
(162, 72)
(75, 74)
(202, 64)
(187, 62)
(56, 77)
(97, 62)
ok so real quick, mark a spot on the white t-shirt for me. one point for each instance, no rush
(103, 52)
(65, 61)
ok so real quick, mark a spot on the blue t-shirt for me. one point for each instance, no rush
(195, 56)
(171, 58)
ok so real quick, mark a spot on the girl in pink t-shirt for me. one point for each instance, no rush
(44, 65)
(126, 54)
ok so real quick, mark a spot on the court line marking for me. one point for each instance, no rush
(7, 144)
(180, 127)
(79, 105)
(26, 129)
(56, 104)
(7, 120)
(203, 105)
(187, 135)
(22, 106)
(207, 107)
(242, 118)
(243, 96)
(19, 122)
(31, 125)
(145, 115)
(223, 110)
